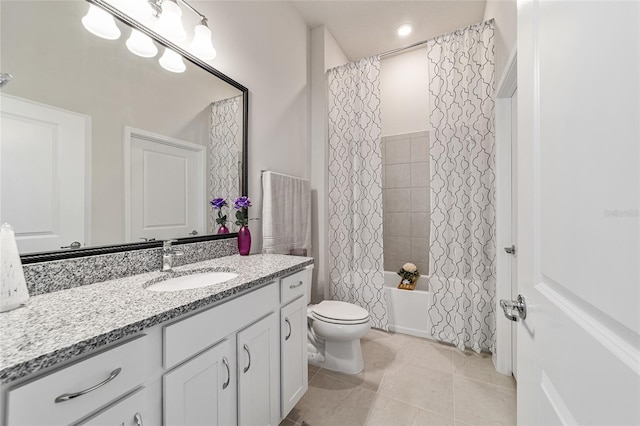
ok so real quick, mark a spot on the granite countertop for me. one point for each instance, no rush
(58, 326)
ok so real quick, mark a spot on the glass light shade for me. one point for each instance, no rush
(101, 23)
(141, 44)
(171, 61)
(170, 22)
(140, 10)
(201, 46)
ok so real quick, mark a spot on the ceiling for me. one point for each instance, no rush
(364, 28)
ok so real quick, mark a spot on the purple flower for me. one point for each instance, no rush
(241, 203)
(218, 203)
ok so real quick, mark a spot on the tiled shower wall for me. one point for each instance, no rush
(406, 200)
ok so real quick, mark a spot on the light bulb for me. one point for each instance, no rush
(201, 46)
(141, 44)
(171, 61)
(101, 23)
(170, 22)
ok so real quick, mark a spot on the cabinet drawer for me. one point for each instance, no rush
(129, 411)
(102, 368)
(294, 285)
(187, 337)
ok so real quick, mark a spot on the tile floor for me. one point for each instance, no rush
(409, 381)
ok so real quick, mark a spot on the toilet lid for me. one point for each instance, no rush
(341, 311)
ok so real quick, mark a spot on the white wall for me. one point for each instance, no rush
(325, 54)
(404, 89)
(505, 13)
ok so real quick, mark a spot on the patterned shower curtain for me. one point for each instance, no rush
(355, 188)
(462, 246)
(225, 156)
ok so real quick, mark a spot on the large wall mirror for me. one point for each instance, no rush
(105, 149)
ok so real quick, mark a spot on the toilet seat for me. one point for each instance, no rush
(343, 313)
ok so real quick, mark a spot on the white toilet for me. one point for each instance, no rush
(334, 330)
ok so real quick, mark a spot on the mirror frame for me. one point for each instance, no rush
(116, 248)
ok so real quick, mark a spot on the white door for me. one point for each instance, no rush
(514, 227)
(164, 187)
(578, 220)
(202, 391)
(44, 177)
(258, 373)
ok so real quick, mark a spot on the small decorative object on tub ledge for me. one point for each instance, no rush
(409, 274)
(218, 204)
(242, 204)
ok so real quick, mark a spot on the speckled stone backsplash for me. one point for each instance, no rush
(47, 277)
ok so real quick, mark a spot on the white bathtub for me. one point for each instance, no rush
(407, 309)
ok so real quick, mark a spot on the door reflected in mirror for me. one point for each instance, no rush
(104, 147)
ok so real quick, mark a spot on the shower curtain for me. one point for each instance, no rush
(355, 188)
(462, 246)
(225, 155)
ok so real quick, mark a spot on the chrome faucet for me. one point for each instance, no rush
(167, 255)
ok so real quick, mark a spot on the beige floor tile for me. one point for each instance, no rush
(287, 422)
(421, 387)
(312, 370)
(427, 354)
(331, 401)
(429, 418)
(386, 411)
(478, 403)
(480, 367)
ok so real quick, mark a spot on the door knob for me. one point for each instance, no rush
(518, 305)
(194, 233)
(510, 250)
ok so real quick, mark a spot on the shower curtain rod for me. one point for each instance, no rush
(400, 49)
(420, 43)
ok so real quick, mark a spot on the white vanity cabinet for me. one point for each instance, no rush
(202, 391)
(236, 381)
(294, 379)
(241, 361)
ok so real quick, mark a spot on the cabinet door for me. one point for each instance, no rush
(293, 353)
(130, 411)
(203, 390)
(258, 372)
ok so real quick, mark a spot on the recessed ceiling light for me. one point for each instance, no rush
(404, 30)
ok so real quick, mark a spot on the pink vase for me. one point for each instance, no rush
(223, 229)
(244, 240)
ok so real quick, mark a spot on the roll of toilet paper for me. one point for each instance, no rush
(13, 287)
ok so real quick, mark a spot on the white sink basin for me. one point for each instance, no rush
(191, 281)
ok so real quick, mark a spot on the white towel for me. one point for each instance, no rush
(286, 213)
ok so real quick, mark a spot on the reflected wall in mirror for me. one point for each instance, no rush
(102, 147)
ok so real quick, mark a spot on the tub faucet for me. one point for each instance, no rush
(167, 255)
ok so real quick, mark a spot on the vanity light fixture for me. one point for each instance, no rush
(172, 61)
(101, 23)
(141, 44)
(404, 30)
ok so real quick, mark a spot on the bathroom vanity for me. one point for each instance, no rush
(117, 353)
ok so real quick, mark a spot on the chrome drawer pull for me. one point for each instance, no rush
(226, 364)
(246, 348)
(289, 324)
(68, 396)
(292, 286)
(138, 419)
